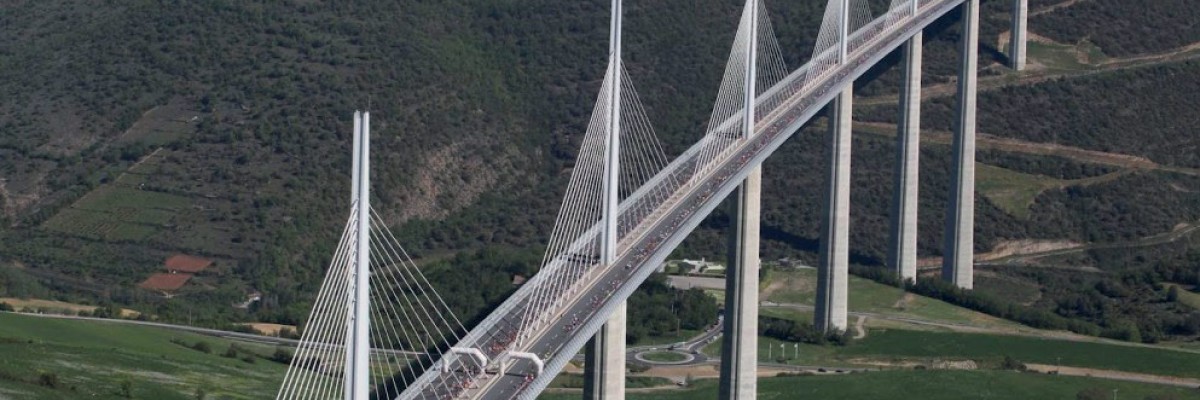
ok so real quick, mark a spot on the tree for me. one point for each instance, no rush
(1173, 294)
(281, 356)
(202, 347)
(1012, 364)
(48, 379)
(126, 389)
(288, 333)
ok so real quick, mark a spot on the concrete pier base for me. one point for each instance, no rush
(832, 274)
(739, 357)
(1020, 36)
(958, 260)
(604, 360)
(902, 246)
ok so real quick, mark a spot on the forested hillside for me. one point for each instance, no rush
(1124, 28)
(133, 130)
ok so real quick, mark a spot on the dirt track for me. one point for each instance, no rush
(1115, 375)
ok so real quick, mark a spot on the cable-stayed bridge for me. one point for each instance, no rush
(378, 329)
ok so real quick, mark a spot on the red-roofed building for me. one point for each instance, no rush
(165, 282)
(186, 263)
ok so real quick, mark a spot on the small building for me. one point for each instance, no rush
(250, 299)
(165, 282)
(183, 263)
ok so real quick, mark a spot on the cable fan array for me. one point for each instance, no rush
(411, 325)
(574, 247)
(725, 126)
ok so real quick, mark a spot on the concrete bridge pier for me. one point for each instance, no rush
(833, 271)
(1019, 38)
(739, 357)
(902, 246)
(604, 360)
(958, 258)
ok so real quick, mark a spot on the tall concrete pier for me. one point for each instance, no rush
(832, 274)
(604, 360)
(958, 258)
(902, 246)
(1019, 37)
(739, 362)
(834, 269)
(739, 359)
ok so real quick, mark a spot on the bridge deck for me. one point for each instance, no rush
(648, 245)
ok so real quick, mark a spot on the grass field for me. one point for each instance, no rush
(92, 359)
(575, 381)
(798, 287)
(920, 347)
(1186, 296)
(924, 385)
(769, 350)
(1066, 58)
(682, 335)
(993, 348)
(1012, 191)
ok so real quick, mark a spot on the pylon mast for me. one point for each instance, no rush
(358, 352)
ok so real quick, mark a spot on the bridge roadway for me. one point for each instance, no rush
(661, 232)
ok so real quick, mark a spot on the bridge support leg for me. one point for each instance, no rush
(902, 249)
(1019, 37)
(832, 274)
(958, 260)
(739, 359)
(604, 360)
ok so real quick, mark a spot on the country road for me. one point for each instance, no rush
(203, 331)
(246, 337)
(1115, 375)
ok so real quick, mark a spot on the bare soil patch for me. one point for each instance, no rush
(269, 329)
(58, 305)
(1025, 246)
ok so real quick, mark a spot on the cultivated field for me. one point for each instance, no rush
(92, 359)
(930, 385)
(119, 213)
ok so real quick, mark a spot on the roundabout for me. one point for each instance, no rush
(664, 357)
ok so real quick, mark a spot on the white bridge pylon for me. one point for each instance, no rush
(377, 323)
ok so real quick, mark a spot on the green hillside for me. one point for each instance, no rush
(138, 129)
